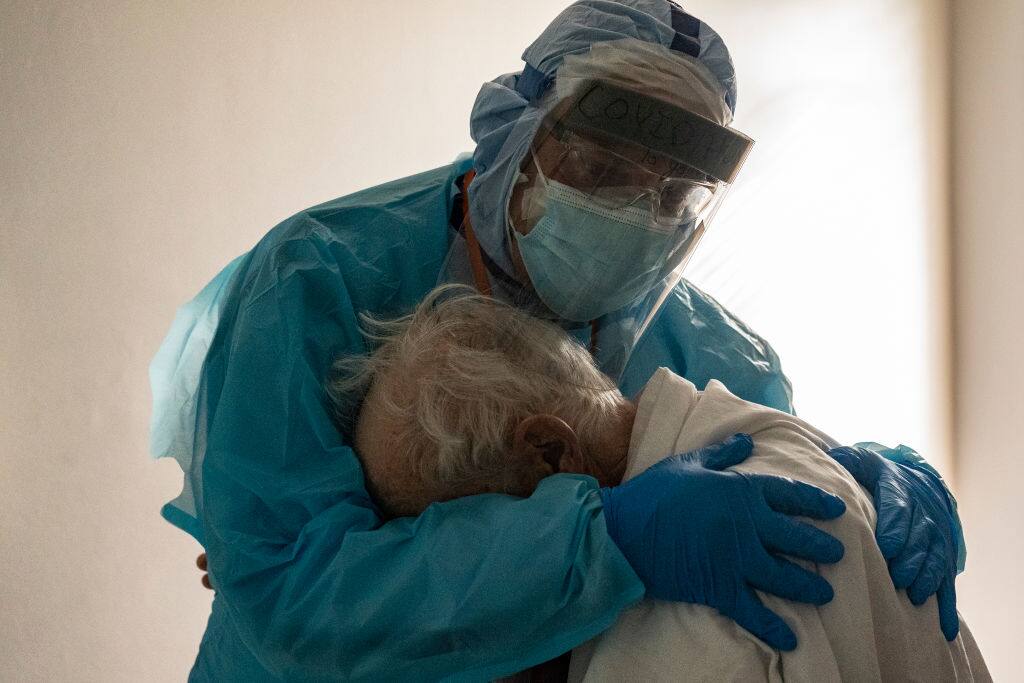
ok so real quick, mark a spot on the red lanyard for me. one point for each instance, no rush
(483, 283)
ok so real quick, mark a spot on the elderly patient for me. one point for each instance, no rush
(468, 396)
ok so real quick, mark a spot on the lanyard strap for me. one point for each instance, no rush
(476, 261)
(483, 283)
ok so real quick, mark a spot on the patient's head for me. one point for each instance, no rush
(467, 395)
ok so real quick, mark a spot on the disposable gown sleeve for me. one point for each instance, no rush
(317, 588)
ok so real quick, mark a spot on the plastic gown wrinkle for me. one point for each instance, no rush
(285, 511)
(309, 582)
(177, 428)
(694, 333)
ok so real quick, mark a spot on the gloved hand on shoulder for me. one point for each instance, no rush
(696, 533)
(915, 528)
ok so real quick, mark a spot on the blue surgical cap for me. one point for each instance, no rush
(506, 117)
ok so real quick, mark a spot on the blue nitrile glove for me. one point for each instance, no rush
(694, 533)
(914, 528)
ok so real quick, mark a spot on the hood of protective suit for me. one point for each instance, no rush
(508, 110)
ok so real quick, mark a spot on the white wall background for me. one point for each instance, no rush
(144, 145)
(833, 241)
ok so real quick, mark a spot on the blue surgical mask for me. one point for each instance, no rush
(586, 260)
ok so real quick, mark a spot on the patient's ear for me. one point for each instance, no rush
(548, 443)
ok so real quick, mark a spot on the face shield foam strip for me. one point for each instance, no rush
(676, 133)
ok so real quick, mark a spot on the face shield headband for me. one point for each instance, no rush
(673, 132)
(605, 220)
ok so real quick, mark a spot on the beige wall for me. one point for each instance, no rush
(144, 145)
(988, 58)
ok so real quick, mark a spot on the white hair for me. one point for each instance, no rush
(454, 378)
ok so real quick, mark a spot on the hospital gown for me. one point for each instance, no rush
(868, 632)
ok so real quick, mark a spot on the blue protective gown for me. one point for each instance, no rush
(310, 585)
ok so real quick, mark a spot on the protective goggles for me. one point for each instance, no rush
(626, 149)
(674, 195)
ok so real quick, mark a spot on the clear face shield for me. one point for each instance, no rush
(617, 191)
